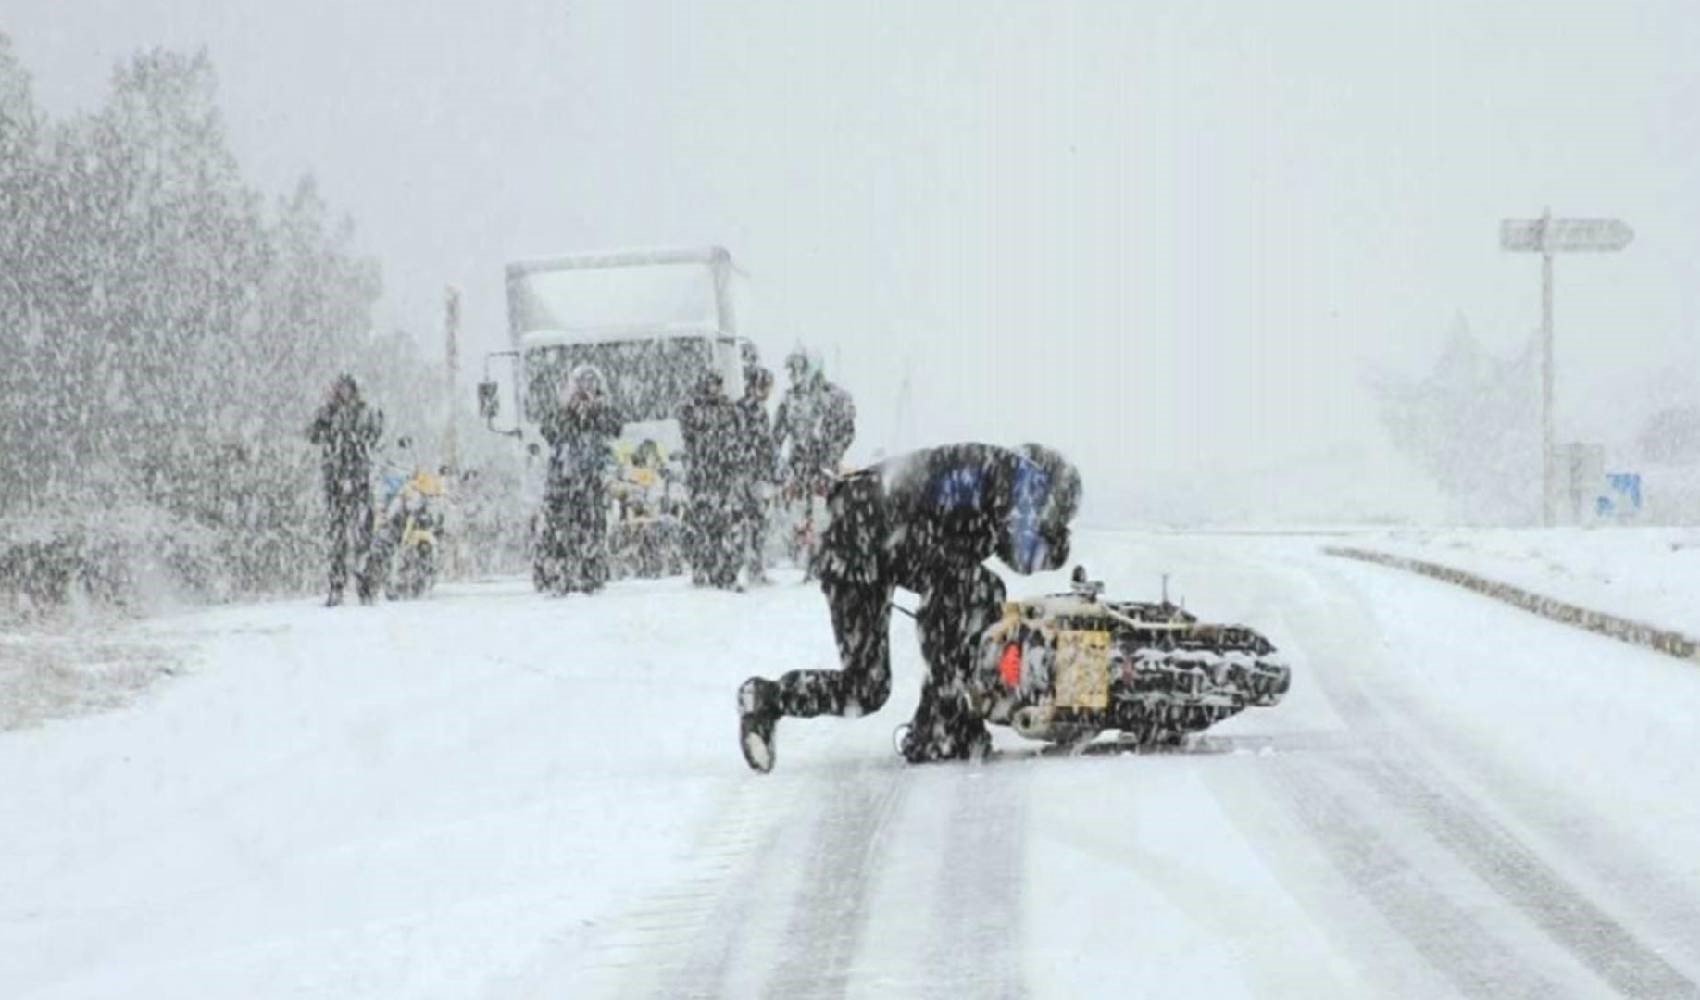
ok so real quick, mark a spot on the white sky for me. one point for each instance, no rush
(1166, 239)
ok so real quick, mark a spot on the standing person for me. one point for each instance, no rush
(345, 429)
(574, 547)
(925, 522)
(817, 420)
(756, 464)
(709, 424)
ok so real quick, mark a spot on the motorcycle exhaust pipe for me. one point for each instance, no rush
(1033, 722)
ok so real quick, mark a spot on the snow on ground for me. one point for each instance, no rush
(1646, 574)
(64, 669)
(367, 786)
(492, 793)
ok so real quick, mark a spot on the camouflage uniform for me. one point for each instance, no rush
(710, 426)
(756, 461)
(573, 550)
(345, 429)
(925, 522)
(817, 419)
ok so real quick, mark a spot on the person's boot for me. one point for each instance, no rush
(334, 599)
(758, 713)
(976, 744)
(920, 744)
(917, 745)
(942, 729)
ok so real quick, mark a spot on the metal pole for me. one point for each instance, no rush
(1548, 473)
(451, 333)
(720, 263)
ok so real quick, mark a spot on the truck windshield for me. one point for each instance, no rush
(648, 378)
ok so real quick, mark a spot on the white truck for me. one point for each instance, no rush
(653, 321)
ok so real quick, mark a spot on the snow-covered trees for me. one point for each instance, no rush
(1473, 424)
(166, 338)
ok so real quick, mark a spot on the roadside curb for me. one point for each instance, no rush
(1635, 633)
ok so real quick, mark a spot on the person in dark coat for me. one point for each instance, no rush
(345, 429)
(812, 431)
(925, 522)
(709, 424)
(573, 550)
(817, 419)
(756, 461)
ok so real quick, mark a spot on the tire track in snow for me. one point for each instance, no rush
(1440, 928)
(977, 910)
(1565, 915)
(1631, 880)
(720, 904)
(829, 907)
(1392, 769)
(685, 938)
(715, 935)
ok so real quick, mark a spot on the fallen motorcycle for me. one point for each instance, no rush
(1065, 668)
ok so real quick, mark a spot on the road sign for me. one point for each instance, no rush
(1547, 236)
(1564, 235)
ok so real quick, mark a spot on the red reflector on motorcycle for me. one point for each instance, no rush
(1009, 667)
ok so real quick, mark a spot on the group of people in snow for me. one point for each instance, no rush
(741, 459)
(737, 460)
(924, 522)
(741, 466)
(364, 533)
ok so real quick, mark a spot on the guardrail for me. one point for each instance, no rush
(1667, 641)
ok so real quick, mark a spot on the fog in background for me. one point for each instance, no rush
(1177, 243)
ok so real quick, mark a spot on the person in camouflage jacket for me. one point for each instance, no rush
(925, 522)
(346, 428)
(710, 425)
(573, 552)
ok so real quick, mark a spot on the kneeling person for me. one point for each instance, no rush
(926, 522)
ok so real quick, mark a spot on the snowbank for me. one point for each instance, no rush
(1646, 574)
(46, 675)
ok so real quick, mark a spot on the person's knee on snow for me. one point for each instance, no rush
(944, 727)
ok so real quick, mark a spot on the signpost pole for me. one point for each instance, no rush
(451, 368)
(451, 446)
(1548, 236)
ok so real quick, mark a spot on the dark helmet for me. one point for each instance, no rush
(1044, 497)
(1064, 500)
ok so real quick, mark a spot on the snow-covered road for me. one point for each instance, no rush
(491, 793)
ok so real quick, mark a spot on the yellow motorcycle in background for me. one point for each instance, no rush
(407, 535)
(646, 531)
